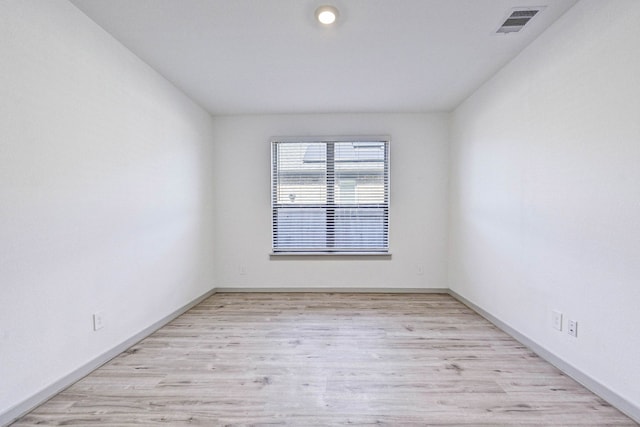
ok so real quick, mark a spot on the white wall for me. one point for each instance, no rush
(545, 192)
(418, 210)
(104, 195)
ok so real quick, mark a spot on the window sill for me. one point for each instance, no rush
(332, 255)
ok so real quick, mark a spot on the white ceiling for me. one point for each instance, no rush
(271, 56)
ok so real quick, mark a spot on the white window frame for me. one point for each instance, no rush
(381, 250)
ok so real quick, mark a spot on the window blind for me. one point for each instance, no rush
(330, 196)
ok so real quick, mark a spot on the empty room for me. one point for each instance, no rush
(317, 213)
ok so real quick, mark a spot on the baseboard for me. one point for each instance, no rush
(619, 402)
(47, 393)
(338, 290)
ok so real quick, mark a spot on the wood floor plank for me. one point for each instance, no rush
(297, 359)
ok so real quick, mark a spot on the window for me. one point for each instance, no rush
(330, 195)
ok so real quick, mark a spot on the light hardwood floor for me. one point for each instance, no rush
(313, 359)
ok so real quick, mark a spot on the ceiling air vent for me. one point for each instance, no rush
(517, 19)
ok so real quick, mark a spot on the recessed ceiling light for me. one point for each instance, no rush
(327, 15)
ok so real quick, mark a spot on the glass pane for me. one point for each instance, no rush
(360, 228)
(359, 169)
(300, 228)
(301, 173)
(330, 196)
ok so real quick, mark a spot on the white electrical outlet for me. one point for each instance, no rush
(572, 328)
(98, 320)
(556, 320)
(420, 270)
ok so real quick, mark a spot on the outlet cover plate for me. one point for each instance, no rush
(572, 328)
(556, 320)
(98, 320)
